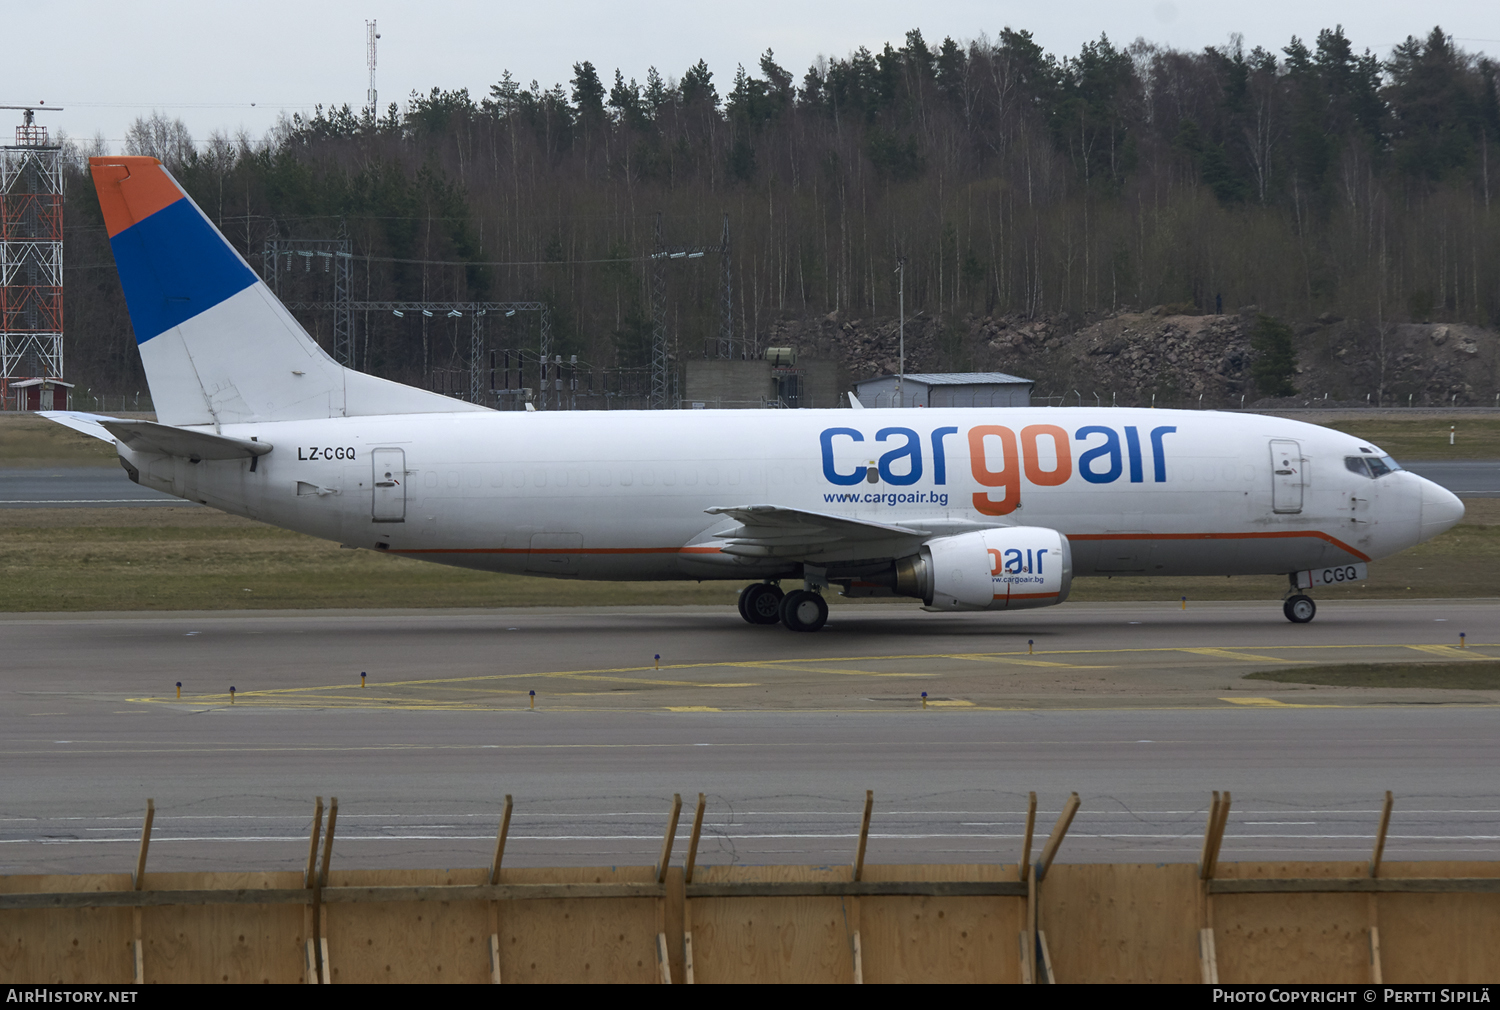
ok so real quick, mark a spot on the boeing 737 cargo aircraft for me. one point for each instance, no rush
(965, 509)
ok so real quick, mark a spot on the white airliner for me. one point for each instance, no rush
(963, 509)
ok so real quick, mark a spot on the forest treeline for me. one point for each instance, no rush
(1009, 180)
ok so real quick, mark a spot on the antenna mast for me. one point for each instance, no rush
(370, 36)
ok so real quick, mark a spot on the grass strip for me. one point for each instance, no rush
(1466, 675)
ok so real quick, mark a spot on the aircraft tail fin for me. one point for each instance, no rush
(218, 346)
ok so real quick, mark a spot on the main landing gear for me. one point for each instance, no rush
(799, 610)
(760, 603)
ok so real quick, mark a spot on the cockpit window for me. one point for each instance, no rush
(1371, 466)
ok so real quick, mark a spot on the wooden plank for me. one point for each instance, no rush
(1025, 864)
(325, 966)
(687, 904)
(692, 854)
(72, 946)
(500, 836)
(310, 916)
(1027, 958)
(223, 943)
(1033, 913)
(493, 892)
(404, 941)
(1207, 957)
(771, 938)
(1358, 885)
(1208, 835)
(672, 921)
(864, 835)
(312, 842)
(862, 889)
(1213, 840)
(333, 816)
(1059, 832)
(1122, 923)
(1385, 823)
(663, 960)
(156, 898)
(940, 938)
(1292, 938)
(1439, 938)
(583, 940)
(671, 836)
(138, 927)
(1045, 958)
(139, 878)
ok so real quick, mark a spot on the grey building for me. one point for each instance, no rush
(945, 389)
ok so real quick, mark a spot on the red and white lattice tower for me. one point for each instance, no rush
(31, 256)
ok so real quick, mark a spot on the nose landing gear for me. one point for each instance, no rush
(1299, 609)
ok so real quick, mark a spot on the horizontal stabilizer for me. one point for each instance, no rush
(82, 421)
(148, 436)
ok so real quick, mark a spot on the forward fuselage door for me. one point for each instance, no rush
(390, 485)
(1286, 475)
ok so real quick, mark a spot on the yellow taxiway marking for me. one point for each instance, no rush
(800, 668)
(1447, 651)
(1248, 657)
(398, 693)
(1024, 659)
(952, 703)
(1273, 703)
(692, 708)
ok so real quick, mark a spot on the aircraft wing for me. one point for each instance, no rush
(775, 531)
(149, 436)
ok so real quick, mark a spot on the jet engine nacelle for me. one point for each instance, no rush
(1013, 568)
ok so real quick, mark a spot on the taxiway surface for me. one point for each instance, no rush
(1138, 707)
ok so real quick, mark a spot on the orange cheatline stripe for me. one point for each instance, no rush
(1025, 596)
(554, 550)
(1316, 534)
(131, 189)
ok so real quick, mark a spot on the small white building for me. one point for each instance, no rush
(945, 389)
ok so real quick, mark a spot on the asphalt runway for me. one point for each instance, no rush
(77, 487)
(92, 487)
(1139, 707)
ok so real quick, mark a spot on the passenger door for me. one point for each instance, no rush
(1286, 476)
(389, 472)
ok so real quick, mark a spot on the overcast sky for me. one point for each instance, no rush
(232, 66)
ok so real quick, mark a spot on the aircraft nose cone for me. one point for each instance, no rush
(1441, 509)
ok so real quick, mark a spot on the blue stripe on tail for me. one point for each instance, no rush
(173, 266)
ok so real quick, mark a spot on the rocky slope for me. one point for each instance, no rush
(1127, 357)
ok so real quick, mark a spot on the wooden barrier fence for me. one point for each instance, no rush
(1027, 922)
